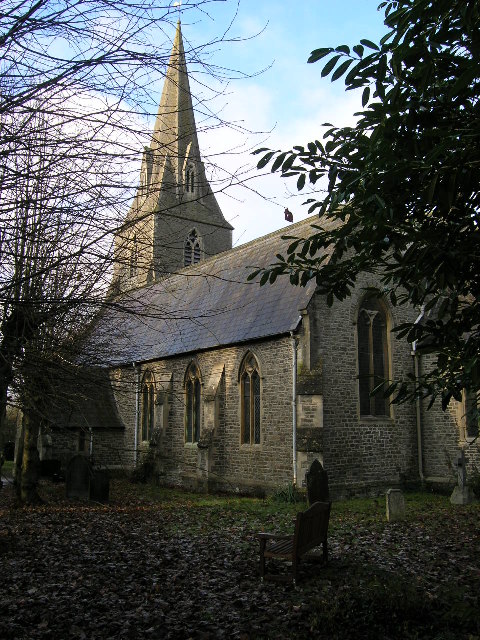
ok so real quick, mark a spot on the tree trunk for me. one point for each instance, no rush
(30, 460)
(6, 376)
(17, 469)
(13, 332)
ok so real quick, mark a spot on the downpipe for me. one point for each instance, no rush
(418, 412)
(137, 411)
(294, 405)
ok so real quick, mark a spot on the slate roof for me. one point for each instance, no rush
(81, 398)
(207, 305)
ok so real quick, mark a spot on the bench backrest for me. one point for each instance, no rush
(311, 527)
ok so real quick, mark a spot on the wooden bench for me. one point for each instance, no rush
(311, 529)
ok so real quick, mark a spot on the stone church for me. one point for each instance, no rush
(220, 384)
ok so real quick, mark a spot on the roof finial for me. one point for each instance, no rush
(179, 5)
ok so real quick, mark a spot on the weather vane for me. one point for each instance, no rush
(179, 5)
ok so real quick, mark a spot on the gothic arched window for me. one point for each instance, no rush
(193, 399)
(191, 249)
(148, 406)
(372, 357)
(250, 400)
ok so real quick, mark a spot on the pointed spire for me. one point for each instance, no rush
(175, 131)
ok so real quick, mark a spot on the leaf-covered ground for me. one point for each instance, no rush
(163, 564)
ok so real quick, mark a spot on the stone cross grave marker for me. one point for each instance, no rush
(395, 505)
(317, 483)
(78, 478)
(462, 493)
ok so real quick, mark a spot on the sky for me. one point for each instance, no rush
(280, 101)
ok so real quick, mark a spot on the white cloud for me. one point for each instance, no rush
(257, 207)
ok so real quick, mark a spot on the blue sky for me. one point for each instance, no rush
(286, 104)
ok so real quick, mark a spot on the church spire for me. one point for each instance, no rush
(175, 131)
(174, 220)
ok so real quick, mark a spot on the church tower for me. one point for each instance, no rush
(174, 220)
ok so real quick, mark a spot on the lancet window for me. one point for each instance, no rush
(250, 401)
(148, 406)
(373, 358)
(193, 400)
(191, 250)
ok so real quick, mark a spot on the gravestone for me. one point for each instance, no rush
(317, 483)
(100, 486)
(79, 473)
(395, 505)
(462, 494)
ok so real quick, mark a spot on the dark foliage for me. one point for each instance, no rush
(403, 185)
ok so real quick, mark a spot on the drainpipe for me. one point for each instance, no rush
(90, 447)
(137, 411)
(294, 405)
(416, 368)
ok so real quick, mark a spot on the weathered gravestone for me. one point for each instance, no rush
(395, 505)
(79, 473)
(317, 483)
(462, 494)
(99, 486)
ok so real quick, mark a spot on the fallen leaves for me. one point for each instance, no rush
(182, 567)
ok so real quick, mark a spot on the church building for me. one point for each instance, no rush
(219, 384)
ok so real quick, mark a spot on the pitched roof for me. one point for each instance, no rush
(204, 306)
(81, 398)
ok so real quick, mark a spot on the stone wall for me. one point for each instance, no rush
(444, 434)
(223, 462)
(172, 230)
(361, 454)
(108, 447)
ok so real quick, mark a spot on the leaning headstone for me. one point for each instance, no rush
(100, 486)
(462, 493)
(317, 483)
(395, 505)
(78, 478)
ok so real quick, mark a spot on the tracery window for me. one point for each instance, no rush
(372, 357)
(148, 406)
(191, 250)
(250, 400)
(193, 399)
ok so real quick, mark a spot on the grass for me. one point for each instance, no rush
(7, 467)
(409, 580)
